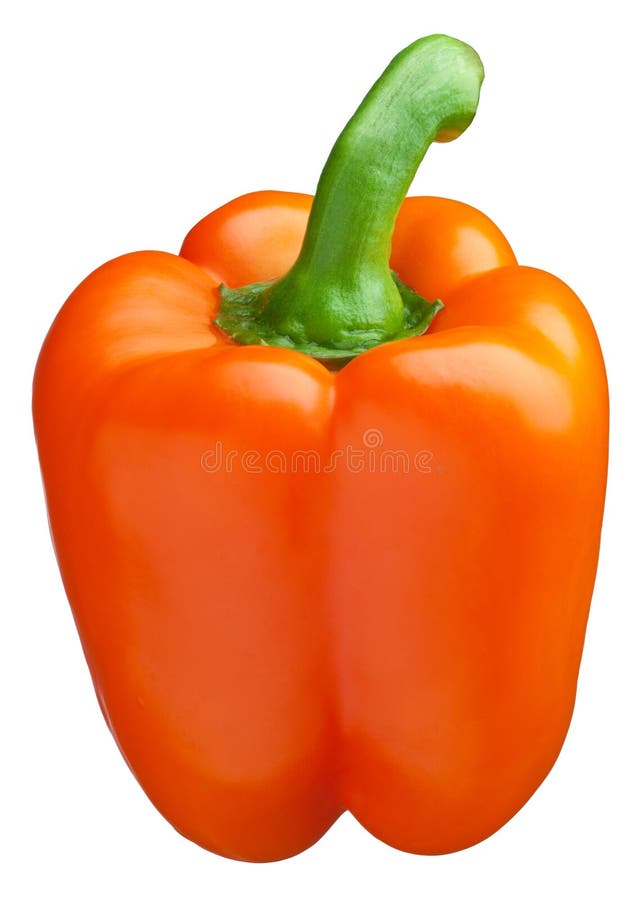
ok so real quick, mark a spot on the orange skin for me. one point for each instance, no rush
(269, 648)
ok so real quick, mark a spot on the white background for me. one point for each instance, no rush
(124, 123)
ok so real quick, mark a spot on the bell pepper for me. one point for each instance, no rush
(326, 493)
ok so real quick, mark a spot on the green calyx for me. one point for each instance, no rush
(340, 298)
(243, 316)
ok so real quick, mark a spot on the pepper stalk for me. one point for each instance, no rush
(340, 297)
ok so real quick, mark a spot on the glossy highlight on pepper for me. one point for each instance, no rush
(272, 646)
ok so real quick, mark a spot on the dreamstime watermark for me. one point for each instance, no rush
(372, 457)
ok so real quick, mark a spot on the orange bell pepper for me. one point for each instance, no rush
(320, 557)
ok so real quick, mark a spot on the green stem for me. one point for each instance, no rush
(340, 297)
